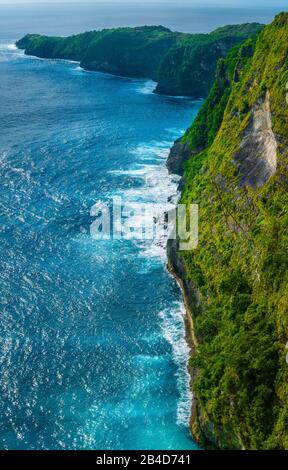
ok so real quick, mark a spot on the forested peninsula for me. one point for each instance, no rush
(181, 64)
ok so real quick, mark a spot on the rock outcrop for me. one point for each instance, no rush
(256, 159)
(178, 156)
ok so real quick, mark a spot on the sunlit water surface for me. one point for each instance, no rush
(92, 342)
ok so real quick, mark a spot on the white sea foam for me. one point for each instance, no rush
(7, 47)
(159, 194)
(4, 52)
(156, 150)
(148, 88)
(135, 172)
(161, 188)
(12, 47)
(10, 52)
(173, 330)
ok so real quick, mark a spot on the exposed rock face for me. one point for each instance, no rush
(257, 157)
(179, 154)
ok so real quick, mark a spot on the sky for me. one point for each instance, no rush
(231, 3)
(276, 4)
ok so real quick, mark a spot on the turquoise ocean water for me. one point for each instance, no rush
(92, 343)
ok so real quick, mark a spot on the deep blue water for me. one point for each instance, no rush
(92, 348)
(92, 338)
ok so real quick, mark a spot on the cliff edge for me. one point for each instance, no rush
(235, 282)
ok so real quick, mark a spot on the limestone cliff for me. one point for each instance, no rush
(236, 281)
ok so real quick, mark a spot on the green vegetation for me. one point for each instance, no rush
(209, 119)
(182, 64)
(240, 268)
(189, 66)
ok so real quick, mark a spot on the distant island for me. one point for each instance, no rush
(181, 64)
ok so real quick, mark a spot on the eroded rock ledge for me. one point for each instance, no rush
(256, 159)
(178, 156)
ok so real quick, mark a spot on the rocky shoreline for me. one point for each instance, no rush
(177, 157)
(202, 430)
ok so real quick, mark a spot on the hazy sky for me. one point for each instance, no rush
(275, 4)
(231, 3)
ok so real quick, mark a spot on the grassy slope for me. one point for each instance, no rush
(240, 265)
(180, 63)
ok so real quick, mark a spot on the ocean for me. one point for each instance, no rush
(92, 341)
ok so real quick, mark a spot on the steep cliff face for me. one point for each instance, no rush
(208, 121)
(256, 159)
(189, 66)
(236, 281)
(182, 64)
